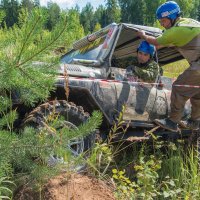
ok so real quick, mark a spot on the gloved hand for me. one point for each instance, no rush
(130, 69)
(130, 73)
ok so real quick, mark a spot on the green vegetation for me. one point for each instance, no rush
(30, 33)
(127, 11)
(148, 170)
(172, 173)
(24, 153)
(172, 70)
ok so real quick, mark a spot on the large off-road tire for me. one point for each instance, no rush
(73, 117)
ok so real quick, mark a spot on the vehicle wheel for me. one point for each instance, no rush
(72, 116)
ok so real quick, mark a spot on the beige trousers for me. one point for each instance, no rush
(180, 95)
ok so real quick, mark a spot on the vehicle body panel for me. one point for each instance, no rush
(90, 66)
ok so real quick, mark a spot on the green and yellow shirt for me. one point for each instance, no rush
(185, 35)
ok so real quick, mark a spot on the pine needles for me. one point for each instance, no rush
(28, 67)
(22, 46)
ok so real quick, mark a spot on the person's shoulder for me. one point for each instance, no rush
(172, 33)
(169, 32)
(187, 22)
(153, 62)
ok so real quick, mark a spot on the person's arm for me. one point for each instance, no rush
(149, 39)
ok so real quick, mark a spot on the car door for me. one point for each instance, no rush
(144, 101)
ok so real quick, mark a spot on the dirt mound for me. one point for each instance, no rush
(75, 187)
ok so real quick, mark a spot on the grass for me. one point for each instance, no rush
(172, 70)
(152, 174)
(151, 170)
(170, 171)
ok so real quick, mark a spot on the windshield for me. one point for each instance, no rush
(88, 52)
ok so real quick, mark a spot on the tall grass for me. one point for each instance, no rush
(181, 165)
(170, 171)
(147, 170)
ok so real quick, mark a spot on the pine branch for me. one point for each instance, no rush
(43, 49)
(87, 128)
(29, 34)
(31, 79)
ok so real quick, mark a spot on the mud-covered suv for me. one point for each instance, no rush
(96, 83)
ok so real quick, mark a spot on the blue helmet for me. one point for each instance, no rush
(169, 10)
(145, 47)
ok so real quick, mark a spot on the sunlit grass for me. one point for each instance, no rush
(172, 70)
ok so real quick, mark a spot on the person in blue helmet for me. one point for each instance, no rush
(184, 34)
(143, 66)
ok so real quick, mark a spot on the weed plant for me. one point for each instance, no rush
(25, 157)
(103, 154)
(147, 170)
(169, 173)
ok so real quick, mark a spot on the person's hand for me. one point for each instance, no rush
(139, 80)
(130, 69)
(132, 79)
(141, 34)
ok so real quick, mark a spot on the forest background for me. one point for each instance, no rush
(89, 19)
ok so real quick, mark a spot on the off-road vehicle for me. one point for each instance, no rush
(94, 82)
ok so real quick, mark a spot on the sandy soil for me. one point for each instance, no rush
(75, 187)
